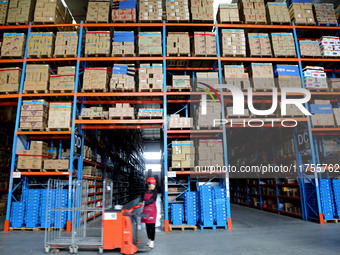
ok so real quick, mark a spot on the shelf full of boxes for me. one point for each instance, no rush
(122, 114)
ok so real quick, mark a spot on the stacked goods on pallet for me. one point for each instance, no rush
(178, 44)
(337, 13)
(337, 116)
(335, 84)
(64, 80)
(228, 13)
(94, 113)
(202, 10)
(123, 44)
(210, 153)
(183, 154)
(287, 76)
(97, 43)
(253, 11)
(177, 214)
(33, 159)
(177, 122)
(150, 43)
(51, 11)
(336, 193)
(181, 82)
(329, 46)
(89, 171)
(40, 44)
(20, 11)
(220, 206)
(177, 10)
(124, 10)
(210, 78)
(13, 45)
(302, 13)
(283, 44)
(122, 111)
(32, 218)
(204, 44)
(46, 204)
(34, 114)
(259, 45)
(206, 206)
(59, 116)
(151, 11)
(325, 14)
(150, 113)
(56, 164)
(66, 44)
(3, 11)
(123, 78)
(322, 114)
(150, 77)
(191, 207)
(327, 200)
(205, 116)
(262, 75)
(309, 48)
(60, 216)
(37, 78)
(315, 77)
(10, 79)
(235, 75)
(98, 12)
(230, 113)
(95, 79)
(233, 43)
(17, 214)
(277, 13)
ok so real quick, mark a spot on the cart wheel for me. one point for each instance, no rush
(71, 250)
(47, 248)
(101, 250)
(75, 249)
(55, 251)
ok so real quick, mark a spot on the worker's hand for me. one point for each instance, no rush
(141, 204)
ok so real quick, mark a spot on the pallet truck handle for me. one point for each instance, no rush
(132, 209)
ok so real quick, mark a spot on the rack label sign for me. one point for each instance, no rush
(172, 174)
(303, 140)
(16, 174)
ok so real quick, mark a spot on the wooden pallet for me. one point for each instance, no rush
(150, 21)
(304, 24)
(29, 170)
(322, 126)
(39, 56)
(319, 90)
(332, 220)
(122, 90)
(256, 22)
(209, 127)
(233, 55)
(171, 89)
(124, 55)
(94, 90)
(182, 227)
(96, 21)
(65, 56)
(280, 23)
(178, 21)
(284, 56)
(204, 55)
(261, 56)
(55, 170)
(150, 90)
(305, 56)
(12, 57)
(97, 55)
(61, 91)
(9, 92)
(263, 89)
(178, 54)
(35, 229)
(150, 117)
(31, 129)
(121, 117)
(181, 128)
(231, 22)
(59, 129)
(181, 168)
(92, 118)
(27, 91)
(150, 55)
(17, 23)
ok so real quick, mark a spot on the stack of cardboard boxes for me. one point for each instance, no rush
(210, 153)
(97, 42)
(13, 45)
(150, 113)
(230, 113)
(150, 43)
(64, 80)
(235, 75)
(335, 84)
(329, 46)
(56, 164)
(3, 11)
(124, 10)
(337, 117)
(150, 77)
(40, 44)
(277, 13)
(59, 115)
(202, 10)
(94, 113)
(20, 11)
(183, 154)
(92, 171)
(204, 44)
(66, 44)
(178, 44)
(123, 44)
(262, 75)
(325, 14)
(301, 13)
(283, 44)
(315, 77)
(287, 76)
(205, 116)
(37, 78)
(150, 10)
(33, 159)
(233, 43)
(123, 78)
(89, 154)
(34, 114)
(337, 13)
(228, 13)
(210, 78)
(259, 45)
(98, 12)
(10, 79)
(122, 111)
(51, 11)
(95, 79)
(177, 122)
(181, 81)
(309, 48)
(253, 11)
(177, 10)
(322, 113)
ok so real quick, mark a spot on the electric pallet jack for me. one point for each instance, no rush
(120, 230)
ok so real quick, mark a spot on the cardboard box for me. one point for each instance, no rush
(335, 84)
(201, 11)
(95, 79)
(60, 116)
(13, 45)
(181, 81)
(150, 11)
(123, 78)
(66, 44)
(149, 113)
(10, 79)
(253, 12)
(287, 76)
(97, 42)
(176, 122)
(183, 155)
(309, 48)
(204, 44)
(314, 78)
(283, 44)
(150, 77)
(329, 46)
(40, 44)
(235, 75)
(64, 80)
(52, 12)
(20, 11)
(3, 12)
(178, 10)
(123, 11)
(37, 78)
(34, 115)
(325, 14)
(210, 153)
(233, 42)
(150, 43)
(277, 13)
(228, 13)
(123, 44)
(302, 13)
(98, 12)
(122, 112)
(262, 75)
(205, 116)
(259, 45)
(178, 44)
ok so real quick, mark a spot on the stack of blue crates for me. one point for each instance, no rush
(327, 202)
(220, 206)
(336, 193)
(60, 218)
(191, 207)
(17, 214)
(123, 37)
(32, 218)
(44, 206)
(177, 214)
(206, 206)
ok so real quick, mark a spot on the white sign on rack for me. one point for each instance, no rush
(16, 174)
(172, 174)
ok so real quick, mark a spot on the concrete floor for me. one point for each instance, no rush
(254, 232)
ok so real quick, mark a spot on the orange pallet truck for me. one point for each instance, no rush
(120, 230)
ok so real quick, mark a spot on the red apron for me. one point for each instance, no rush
(150, 209)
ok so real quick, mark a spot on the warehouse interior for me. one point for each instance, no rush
(231, 107)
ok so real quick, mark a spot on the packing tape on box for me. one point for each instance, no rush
(40, 67)
(229, 5)
(40, 156)
(60, 107)
(67, 33)
(302, 42)
(62, 75)
(290, 34)
(234, 66)
(206, 34)
(15, 34)
(274, 4)
(6, 70)
(253, 64)
(38, 33)
(148, 34)
(36, 103)
(232, 30)
(259, 36)
(183, 144)
(4, 3)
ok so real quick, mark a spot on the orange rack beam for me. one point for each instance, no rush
(44, 132)
(250, 59)
(255, 26)
(50, 59)
(191, 58)
(320, 59)
(120, 94)
(12, 60)
(142, 121)
(188, 131)
(45, 173)
(123, 24)
(122, 127)
(11, 27)
(9, 96)
(48, 94)
(121, 59)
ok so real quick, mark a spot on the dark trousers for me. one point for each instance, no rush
(150, 230)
